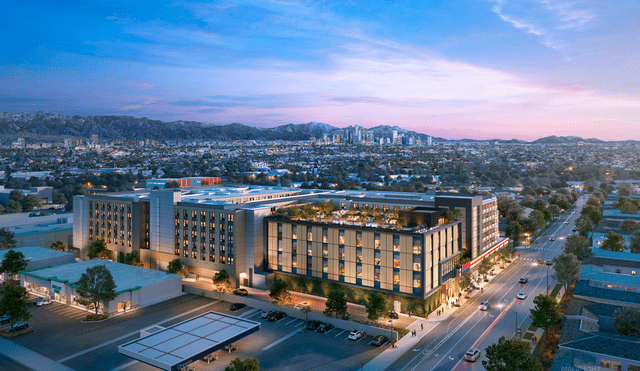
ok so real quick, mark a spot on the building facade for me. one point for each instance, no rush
(238, 229)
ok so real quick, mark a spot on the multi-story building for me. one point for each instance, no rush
(407, 243)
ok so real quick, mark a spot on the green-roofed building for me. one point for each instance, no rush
(135, 286)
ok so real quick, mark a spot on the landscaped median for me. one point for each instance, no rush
(295, 313)
(11, 335)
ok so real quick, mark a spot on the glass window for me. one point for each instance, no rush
(376, 240)
(294, 246)
(279, 245)
(325, 265)
(416, 262)
(611, 365)
(376, 257)
(633, 273)
(294, 231)
(325, 250)
(341, 268)
(417, 283)
(358, 271)
(417, 245)
(359, 255)
(309, 250)
(309, 263)
(325, 235)
(396, 260)
(341, 237)
(396, 242)
(376, 273)
(309, 234)
(341, 251)
(358, 238)
(396, 278)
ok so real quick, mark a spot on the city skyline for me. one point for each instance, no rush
(482, 70)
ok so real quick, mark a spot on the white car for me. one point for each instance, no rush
(356, 335)
(485, 305)
(45, 301)
(265, 313)
(522, 295)
(472, 355)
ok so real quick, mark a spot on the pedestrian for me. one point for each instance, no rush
(422, 327)
(482, 289)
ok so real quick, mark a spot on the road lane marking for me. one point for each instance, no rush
(280, 340)
(340, 333)
(137, 332)
(295, 319)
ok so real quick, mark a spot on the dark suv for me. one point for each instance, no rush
(275, 316)
(393, 315)
(237, 306)
(312, 325)
(241, 292)
(19, 327)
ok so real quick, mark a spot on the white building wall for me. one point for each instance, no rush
(161, 220)
(81, 224)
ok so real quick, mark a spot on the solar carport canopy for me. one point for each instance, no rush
(181, 344)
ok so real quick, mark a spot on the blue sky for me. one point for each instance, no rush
(454, 69)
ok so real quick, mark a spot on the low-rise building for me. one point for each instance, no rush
(38, 257)
(39, 231)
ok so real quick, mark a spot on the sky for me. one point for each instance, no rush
(454, 69)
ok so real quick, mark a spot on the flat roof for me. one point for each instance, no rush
(126, 277)
(181, 344)
(602, 253)
(35, 253)
(598, 274)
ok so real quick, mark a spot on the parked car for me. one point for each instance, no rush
(522, 295)
(299, 306)
(4, 320)
(275, 316)
(19, 327)
(241, 292)
(45, 301)
(265, 313)
(37, 300)
(379, 340)
(325, 327)
(485, 305)
(237, 306)
(548, 262)
(356, 335)
(312, 325)
(523, 280)
(393, 315)
(471, 355)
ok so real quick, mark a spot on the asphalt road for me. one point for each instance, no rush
(443, 348)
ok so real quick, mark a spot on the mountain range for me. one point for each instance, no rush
(53, 127)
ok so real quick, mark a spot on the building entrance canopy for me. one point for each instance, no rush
(177, 346)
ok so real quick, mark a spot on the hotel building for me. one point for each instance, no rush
(245, 231)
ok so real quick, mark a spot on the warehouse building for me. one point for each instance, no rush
(38, 257)
(135, 286)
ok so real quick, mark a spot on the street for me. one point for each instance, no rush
(443, 347)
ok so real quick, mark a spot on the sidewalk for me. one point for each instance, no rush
(29, 358)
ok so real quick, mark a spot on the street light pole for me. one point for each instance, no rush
(547, 280)
(516, 323)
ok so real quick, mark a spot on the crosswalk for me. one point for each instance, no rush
(544, 249)
(65, 311)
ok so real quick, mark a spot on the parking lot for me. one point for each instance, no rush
(278, 345)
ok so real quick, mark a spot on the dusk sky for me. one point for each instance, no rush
(453, 69)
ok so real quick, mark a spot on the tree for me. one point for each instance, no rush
(13, 206)
(566, 269)
(376, 305)
(537, 219)
(98, 249)
(133, 258)
(175, 266)
(584, 225)
(510, 355)
(30, 202)
(336, 303)
(627, 321)
(97, 285)
(249, 364)
(545, 312)
(629, 225)
(279, 291)
(578, 245)
(514, 230)
(509, 208)
(7, 239)
(15, 304)
(613, 242)
(223, 279)
(634, 243)
(13, 262)
(555, 210)
(58, 245)
(464, 282)
(484, 267)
